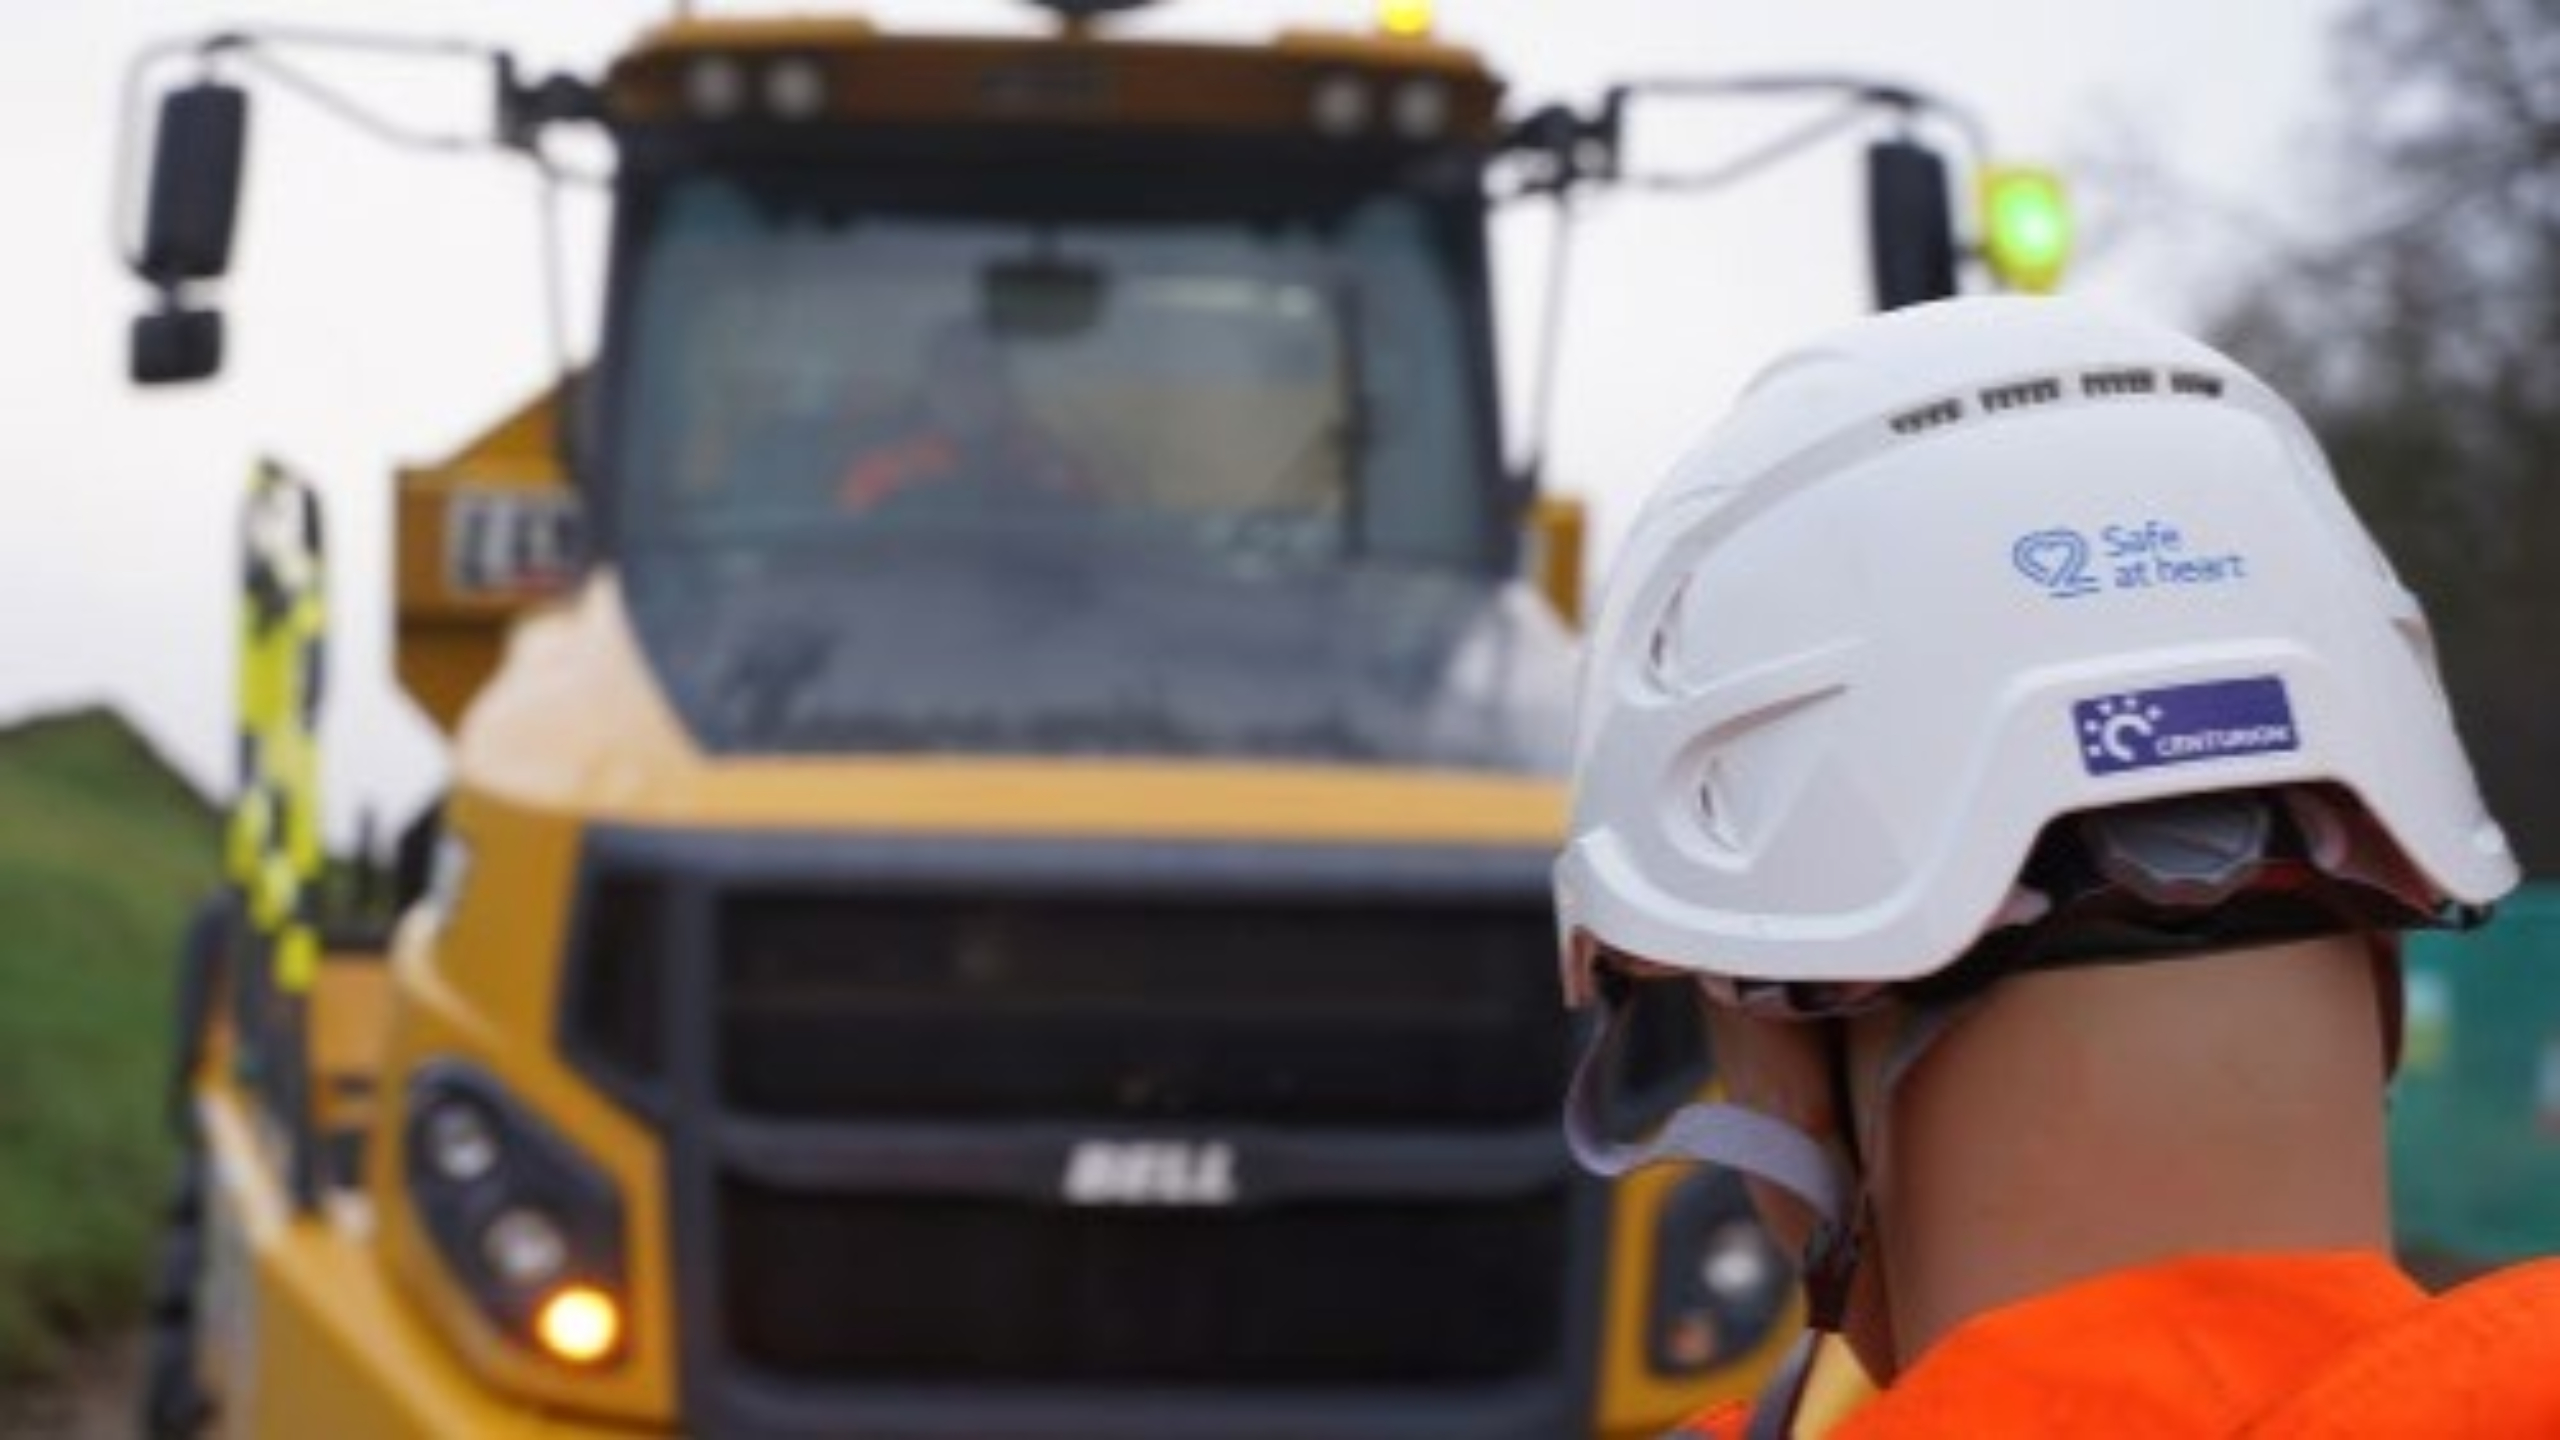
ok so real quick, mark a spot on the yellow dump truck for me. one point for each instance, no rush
(1005, 754)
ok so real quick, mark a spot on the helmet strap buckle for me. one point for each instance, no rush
(1830, 1266)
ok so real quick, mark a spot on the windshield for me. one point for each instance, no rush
(799, 357)
(1135, 474)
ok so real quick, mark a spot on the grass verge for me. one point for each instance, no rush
(102, 851)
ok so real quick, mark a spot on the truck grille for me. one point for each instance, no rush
(970, 1292)
(1092, 1009)
(872, 1143)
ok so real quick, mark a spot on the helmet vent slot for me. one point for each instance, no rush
(1715, 809)
(2113, 384)
(2202, 387)
(2021, 395)
(1662, 657)
(1928, 417)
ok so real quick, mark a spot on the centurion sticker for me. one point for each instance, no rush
(2184, 724)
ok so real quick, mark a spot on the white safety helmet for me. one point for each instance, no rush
(1954, 573)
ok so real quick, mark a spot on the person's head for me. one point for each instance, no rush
(2012, 675)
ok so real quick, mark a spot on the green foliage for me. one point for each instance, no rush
(2418, 338)
(103, 851)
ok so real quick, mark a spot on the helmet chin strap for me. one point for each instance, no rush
(1717, 1133)
(1764, 1148)
(1737, 1138)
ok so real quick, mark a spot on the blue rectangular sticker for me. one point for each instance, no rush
(2182, 724)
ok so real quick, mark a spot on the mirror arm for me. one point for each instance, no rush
(524, 112)
(1903, 105)
(524, 108)
(1563, 148)
(528, 108)
(1559, 150)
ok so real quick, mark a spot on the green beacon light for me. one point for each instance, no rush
(2026, 227)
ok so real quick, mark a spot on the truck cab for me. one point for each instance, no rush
(1004, 769)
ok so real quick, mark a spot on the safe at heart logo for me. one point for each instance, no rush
(2058, 560)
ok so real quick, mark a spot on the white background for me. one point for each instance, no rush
(386, 305)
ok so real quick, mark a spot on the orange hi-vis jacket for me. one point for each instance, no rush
(931, 457)
(2273, 1347)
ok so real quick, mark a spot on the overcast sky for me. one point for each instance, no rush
(385, 305)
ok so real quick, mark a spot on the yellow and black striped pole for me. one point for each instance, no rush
(274, 851)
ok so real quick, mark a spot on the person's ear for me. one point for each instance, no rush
(1787, 1070)
(1783, 1070)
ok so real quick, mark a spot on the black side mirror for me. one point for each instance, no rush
(195, 183)
(1911, 230)
(174, 344)
(194, 202)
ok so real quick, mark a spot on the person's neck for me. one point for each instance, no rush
(2089, 1119)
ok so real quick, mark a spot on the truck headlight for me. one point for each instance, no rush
(457, 1140)
(715, 88)
(795, 88)
(1720, 1285)
(524, 1246)
(580, 1324)
(1340, 105)
(530, 1228)
(1421, 109)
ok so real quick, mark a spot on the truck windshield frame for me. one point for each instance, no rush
(1295, 347)
(1313, 562)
